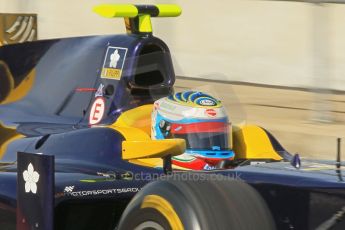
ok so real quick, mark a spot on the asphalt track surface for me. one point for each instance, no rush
(303, 121)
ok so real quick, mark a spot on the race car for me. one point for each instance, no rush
(92, 136)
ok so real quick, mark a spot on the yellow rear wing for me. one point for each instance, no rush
(138, 17)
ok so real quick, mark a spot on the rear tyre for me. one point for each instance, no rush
(202, 203)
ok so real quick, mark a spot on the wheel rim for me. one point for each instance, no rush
(149, 225)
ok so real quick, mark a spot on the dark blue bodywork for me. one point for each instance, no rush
(93, 184)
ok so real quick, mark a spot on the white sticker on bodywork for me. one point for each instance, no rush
(113, 62)
(97, 111)
(99, 92)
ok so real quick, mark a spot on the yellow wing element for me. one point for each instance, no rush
(8, 135)
(152, 148)
(116, 10)
(169, 10)
(138, 148)
(252, 142)
(138, 17)
(139, 118)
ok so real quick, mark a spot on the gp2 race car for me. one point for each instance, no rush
(92, 134)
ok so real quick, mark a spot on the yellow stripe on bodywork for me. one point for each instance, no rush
(8, 135)
(22, 89)
(9, 91)
(252, 142)
(7, 81)
(165, 208)
(152, 148)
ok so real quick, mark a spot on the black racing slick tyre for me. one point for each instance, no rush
(217, 204)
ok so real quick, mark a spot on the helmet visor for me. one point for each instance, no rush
(204, 135)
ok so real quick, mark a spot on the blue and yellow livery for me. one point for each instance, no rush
(77, 152)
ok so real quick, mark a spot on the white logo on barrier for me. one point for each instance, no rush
(31, 177)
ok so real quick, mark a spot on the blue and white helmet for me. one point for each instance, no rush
(198, 118)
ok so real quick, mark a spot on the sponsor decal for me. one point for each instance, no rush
(68, 189)
(100, 191)
(97, 111)
(206, 102)
(31, 178)
(211, 112)
(99, 92)
(209, 167)
(113, 62)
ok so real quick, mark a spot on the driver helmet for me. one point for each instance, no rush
(201, 121)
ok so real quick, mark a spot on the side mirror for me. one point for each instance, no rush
(6, 81)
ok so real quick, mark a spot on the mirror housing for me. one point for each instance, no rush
(152, 148)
